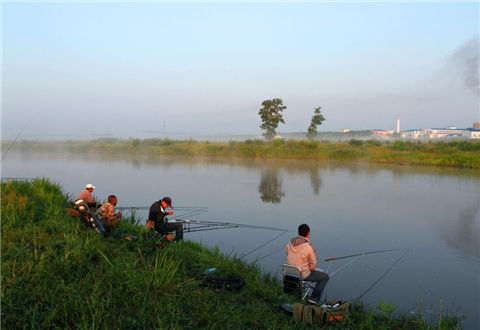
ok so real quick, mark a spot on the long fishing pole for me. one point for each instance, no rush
(384, 274)
(361, 254)
(190, 213)
(241, 225)
(268, 255)
(14, 140)
(346, 265)
(259, 247)
(180, 208)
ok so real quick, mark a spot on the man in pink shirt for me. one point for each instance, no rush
(301, 253)
(86, 195)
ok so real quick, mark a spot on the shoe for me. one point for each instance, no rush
(314, 301)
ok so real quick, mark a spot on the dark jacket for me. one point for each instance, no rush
(157, 214)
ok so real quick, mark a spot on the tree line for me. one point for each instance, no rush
(271, 116)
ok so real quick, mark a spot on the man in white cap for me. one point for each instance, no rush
(86, 195)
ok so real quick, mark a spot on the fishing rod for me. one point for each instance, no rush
(14, 140)
(215, 224)
(180, 208)
(383, 275)
(257, 248)
(362, 254)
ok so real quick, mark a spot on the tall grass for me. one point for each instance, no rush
(57, 273)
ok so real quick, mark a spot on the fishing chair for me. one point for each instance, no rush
(293, 283)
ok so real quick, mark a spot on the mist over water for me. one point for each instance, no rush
(350, 208)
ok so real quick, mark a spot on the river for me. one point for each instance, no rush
(350, 208)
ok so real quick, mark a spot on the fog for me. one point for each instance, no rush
(85, 70)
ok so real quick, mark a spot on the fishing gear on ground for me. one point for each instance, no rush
(319, 315)
(83, 211)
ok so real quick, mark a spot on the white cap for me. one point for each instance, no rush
(88, 186)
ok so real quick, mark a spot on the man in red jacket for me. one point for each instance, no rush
(301, 253)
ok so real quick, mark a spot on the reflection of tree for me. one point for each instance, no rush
(270, 186)
(315, 180)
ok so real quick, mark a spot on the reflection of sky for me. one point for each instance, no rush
(358, 208)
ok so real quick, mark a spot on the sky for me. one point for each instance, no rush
(83, 69)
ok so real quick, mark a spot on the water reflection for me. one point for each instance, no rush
(463, 234)
(315, 179)
(270, 186)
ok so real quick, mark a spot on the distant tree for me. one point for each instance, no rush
(271, 115)
(317, 120)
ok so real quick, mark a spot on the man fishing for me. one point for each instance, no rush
(301, 253)
(157, 219)
(86, 195)
(106, 213)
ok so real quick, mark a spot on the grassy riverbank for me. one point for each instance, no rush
(58, 273)
(462, 154)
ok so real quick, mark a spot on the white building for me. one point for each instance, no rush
(472, 133)
(412, 134)
(437, 133)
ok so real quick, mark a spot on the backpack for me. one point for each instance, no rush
(330, 311)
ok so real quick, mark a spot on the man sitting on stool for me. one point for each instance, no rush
(158, 221)
(301, 253)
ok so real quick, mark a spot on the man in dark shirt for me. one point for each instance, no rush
(157, 215)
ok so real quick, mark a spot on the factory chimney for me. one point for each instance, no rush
(398, 124)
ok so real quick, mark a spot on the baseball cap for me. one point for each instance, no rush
(168, 200)
(88, 186)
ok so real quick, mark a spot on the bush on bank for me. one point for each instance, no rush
(56, 273)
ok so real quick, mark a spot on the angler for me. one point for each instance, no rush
(301, 253)
(86, 196)
(157, 219)
(106, 213)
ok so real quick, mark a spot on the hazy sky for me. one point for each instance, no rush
(128, 69)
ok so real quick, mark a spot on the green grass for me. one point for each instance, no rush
(57, 273)
(461, 154)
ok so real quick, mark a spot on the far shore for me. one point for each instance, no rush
(456, 154)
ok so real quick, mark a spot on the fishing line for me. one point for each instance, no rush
(190, 213)
(384, 274)
(276, 237)
(14, 140)
(346, 265)
(268, 255)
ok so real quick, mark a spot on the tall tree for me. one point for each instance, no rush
(271, 115)
(317, 120)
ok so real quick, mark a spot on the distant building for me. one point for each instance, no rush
(437, 133)
(345, 130)
(382, 132)
(472, 133)
(476, 125)
(412, 134)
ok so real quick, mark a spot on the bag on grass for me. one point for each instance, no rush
(330, 311)
(229, 284)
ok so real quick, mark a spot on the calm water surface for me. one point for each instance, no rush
(351, 208)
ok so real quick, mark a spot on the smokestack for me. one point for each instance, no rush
(398, 124)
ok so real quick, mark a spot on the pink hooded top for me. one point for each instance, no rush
(301, 253)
